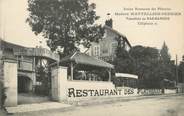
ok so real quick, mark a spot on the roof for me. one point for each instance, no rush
(115, 31)
(84, 59)
(19, 50)
(126, 75)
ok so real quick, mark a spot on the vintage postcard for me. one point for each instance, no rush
(92, 57)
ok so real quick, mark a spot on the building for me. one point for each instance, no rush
(19, 74)
(106, 48)
(18, 70)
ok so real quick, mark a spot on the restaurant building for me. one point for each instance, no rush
(19, 67)
(106, 48)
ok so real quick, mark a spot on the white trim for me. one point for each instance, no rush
(123, 75)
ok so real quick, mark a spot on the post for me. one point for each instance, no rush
(34, 74)
(59, 83)
(176, 70)
(71, 78)
(10, 82)
(109, 71)
(176, 73)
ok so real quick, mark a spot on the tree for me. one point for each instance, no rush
(123, 62)
(146, 61)
(147, 64)
(164, 54)
(43, 76)
(144, 58)
(181, 71)
(65, 24)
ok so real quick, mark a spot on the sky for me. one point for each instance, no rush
(13, 27)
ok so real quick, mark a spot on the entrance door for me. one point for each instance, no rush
(24, 84)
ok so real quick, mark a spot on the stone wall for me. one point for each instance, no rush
(180, 88)
(170, 91)
(58, 86)
(1, 66)
(75, 90)
(80, 90)
(10, 82)
(150, 91)
(1, 76)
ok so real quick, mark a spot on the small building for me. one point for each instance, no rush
(18, 70)
(84, 67)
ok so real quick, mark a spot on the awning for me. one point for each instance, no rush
(81, 58)
(126, 75)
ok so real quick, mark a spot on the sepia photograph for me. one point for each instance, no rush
(91, 58)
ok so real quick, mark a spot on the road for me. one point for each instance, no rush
(152, 106)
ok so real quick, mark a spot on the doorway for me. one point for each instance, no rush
(24, 84)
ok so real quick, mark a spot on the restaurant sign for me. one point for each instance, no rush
(72, 92)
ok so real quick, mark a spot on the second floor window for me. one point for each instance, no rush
(113, 47)
(97, 50)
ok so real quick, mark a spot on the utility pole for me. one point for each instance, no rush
(182, 71)
(176, 69)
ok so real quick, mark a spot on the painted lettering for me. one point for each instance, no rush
(128, 91)
(85, 93)
(101, 92)
(96, 93)
(71, 92)
(91, 92)
(78, 93)
(106, 92)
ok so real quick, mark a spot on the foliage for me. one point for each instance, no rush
(146, 59)
(123, 62)
(145, 62)
(165, 56)
(152, 69)
(43, 76)
(65, 23)
(181, 71)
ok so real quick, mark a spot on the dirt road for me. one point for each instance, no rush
(154, 106)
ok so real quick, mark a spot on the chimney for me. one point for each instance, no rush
(109, 21)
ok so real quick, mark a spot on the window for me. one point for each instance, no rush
(113, 47)
(105, 48)
(97, 50)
